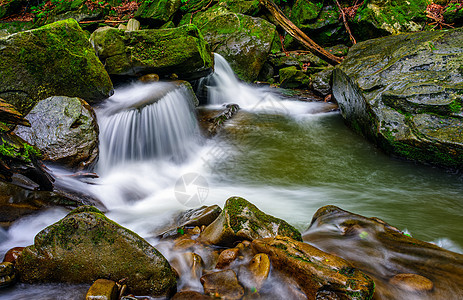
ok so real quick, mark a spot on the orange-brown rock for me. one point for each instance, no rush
(226, 257)
(314, 270)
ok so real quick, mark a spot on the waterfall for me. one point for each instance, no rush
(147, 121)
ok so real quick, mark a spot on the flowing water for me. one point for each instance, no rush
(287, 157)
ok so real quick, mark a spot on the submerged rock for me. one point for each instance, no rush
(65, 130)
(181, 50)
(56, 59)
(222, 284)
(404, 93)
(244, 41)
(400, 265)
(315, 271)
(240, 220)
(85, 246)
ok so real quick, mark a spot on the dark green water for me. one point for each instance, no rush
(316, 160)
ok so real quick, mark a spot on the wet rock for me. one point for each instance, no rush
(56, 59)
(300, 59)
(223, 284)
(226, 257)
(404, 93)
(412, 282)
(111, 252)
(291, 77)
(244, 41)
(189, 266)
(383, 251)
(179, 50)
(212, 121)
(204, 215)
(321, 82)
(314, 270)
(65, 130)
(7, 274)
(149, 78)
(259, 267)
(240, 220)
(13, 254)
(103, 289)
(190, 295)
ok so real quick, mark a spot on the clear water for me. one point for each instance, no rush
(284, 156)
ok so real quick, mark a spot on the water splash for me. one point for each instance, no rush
(147, 121)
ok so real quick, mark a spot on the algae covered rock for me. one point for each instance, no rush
(55, 59)
(65, 130)
(317, 273)
(157, 12)
(401, 266)
(240, 220)
(181, 50)
(291, 77)
(85, 246)
(244, 41)
(405, 94)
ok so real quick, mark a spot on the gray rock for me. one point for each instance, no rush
(65, 130)
(404, 93)
(321, 82)
(85, 246)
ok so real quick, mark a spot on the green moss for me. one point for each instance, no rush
(24, 152)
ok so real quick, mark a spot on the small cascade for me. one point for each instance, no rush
(147, 121)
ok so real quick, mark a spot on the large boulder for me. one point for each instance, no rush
(157, 12)
(401, 266)
(404, 93)
(244, 41)
(55, 59)
(65, 130)
(181, 50)
(242, 220)
(85, 246)
(318, 274)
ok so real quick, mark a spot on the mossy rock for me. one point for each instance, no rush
(240, 220)
(246, 7)
(157, 12)
(405, 94)
(378, 18)
(85, 246)
(291, 77)
(180, 50)
(317, 273)
(244, 41)
(56, 59)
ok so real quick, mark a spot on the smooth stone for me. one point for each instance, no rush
(12, 254)
(412, 282)
(102, 289)
(226, 257)
(149, 78)
(260, 269)
(223, 284)
(133, 25)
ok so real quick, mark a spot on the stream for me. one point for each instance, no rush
(287, 157)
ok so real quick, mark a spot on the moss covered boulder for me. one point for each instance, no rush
(244, 41)
(56, 59)
(291, 77)
(379, 17)
(320, 275)
(181, 50)
(401, 266)
(85, 246)
(405, 94)
(157, 12)
(242, 220)
(65, 130)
